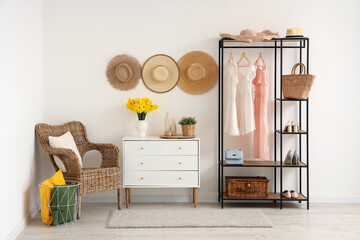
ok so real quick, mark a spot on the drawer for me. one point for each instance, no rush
(162, 178)
(161, 163)
(161, 148)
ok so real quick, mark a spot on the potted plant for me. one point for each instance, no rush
(188, 126)
(141, 107)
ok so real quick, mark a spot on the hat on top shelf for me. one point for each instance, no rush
(294, 33)
(198, 72)
(160, 73)
(123, 72)
(250, 36)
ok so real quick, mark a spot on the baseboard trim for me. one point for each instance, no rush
(206, 198)
(22, 224)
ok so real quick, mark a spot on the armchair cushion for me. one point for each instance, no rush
(64, 141)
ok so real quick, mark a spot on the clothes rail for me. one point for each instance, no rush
(278, 44)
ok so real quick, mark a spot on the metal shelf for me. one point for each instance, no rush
(272, 197)
(254, 163)
(290, 100)
(279, 45)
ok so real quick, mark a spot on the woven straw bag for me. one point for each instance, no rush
(297, 86)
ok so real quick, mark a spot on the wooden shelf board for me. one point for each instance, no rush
(254, 163)
(272, 196)
(282, 132)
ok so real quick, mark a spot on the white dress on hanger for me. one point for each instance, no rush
(231, 81)
(246, 101)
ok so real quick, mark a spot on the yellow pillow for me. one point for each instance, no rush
(45, 195)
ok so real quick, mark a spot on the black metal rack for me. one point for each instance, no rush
(278, 44)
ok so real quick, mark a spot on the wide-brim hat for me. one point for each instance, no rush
(123, 72)
(294, 33)
(198, 72)
(250, 36)
(160, 73)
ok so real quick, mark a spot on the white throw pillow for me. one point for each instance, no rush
(64, 141)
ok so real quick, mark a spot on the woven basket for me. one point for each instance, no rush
(297, 86)
(188, 130)
(247, 187)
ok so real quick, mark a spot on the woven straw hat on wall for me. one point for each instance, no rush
(160, 73)
(198, 72)
(123, 72)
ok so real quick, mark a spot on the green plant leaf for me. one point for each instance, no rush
(187, 121)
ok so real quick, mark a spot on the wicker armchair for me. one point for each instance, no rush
(107, 177)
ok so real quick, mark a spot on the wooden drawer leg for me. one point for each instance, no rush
(195, 193)
(127, 196)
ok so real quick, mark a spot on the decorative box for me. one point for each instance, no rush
(247, 187)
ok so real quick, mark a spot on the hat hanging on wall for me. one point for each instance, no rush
(160, 73)
(198, 72)
(250, 36)
(294, 33)
(123, 72)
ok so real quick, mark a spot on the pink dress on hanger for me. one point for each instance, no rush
(261, 137)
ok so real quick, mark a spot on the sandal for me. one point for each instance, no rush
(294, 194)
(286, 194)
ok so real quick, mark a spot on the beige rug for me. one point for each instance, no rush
(188, 218)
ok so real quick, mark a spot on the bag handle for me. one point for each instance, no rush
(295, 66)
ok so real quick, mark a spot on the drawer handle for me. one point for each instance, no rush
(141, 148)
(179, 178)
(180, 163)
(180, 148)
(142, 163)
(141, 178)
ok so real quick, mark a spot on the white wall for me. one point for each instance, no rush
(81, 37)
(21, 101)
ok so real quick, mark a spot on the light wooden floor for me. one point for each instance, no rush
(323, 221)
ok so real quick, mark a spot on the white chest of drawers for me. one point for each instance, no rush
(154, 162)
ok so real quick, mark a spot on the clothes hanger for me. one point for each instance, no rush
(260, 58)
(243, 55)
(231, 57)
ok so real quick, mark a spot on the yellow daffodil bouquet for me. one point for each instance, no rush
(141, 106)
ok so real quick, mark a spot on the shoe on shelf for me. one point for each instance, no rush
(289, 157)
(295, 126)
(288, 127)
(286, 194)
(296, 158)
(294, 194)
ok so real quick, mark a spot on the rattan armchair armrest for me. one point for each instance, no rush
(109, 152)
(68, 157)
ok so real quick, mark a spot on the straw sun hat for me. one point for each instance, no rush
(250, 36)
(198, 72)
(160, 73)
(123, 72)
(294, 33)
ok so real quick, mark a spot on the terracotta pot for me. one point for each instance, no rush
(188, 130)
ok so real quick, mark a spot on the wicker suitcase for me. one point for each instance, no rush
(247, 187)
